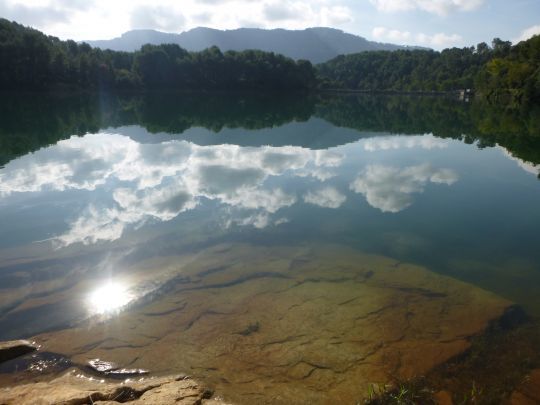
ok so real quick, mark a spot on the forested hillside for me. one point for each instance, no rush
(491, 70)
(314, 44)
(31, 60)
(517, 69)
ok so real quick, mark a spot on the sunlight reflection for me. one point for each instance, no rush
(109, 298)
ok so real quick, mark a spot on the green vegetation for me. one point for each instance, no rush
(31, 60)
(514, 70)
(411, 392)
(414, 70)
(501, 69)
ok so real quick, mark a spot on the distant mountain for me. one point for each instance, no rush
(314, 44)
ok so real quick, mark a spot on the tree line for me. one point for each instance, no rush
(32, 60)
(493, 71)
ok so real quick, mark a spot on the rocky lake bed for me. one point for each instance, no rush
(272, 324)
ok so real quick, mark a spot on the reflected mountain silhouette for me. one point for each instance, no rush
(31, 121)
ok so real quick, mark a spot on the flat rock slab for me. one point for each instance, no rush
(76, 389)
(291, 325)
(14, 348)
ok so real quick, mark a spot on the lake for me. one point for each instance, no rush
(281, 249)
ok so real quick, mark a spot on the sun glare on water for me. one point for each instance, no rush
(109, 298)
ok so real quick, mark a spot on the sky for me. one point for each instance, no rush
(434, 23)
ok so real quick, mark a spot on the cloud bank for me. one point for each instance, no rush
(527, 33)
(439, 7)
(101, 19)
(438, 40)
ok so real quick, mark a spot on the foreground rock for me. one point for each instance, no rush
(14, 348)
(75, 389)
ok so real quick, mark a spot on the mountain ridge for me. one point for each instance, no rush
(316, 44)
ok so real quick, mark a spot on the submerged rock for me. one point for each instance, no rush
(110, 368)
(14, 348)
(528, 393)
(292, 325)
(443, 398)
(73, 388)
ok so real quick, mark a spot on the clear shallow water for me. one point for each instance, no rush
(109, 218)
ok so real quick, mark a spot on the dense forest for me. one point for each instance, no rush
(31, 60)
(490, 70)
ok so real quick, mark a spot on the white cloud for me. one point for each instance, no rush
(390, 189)
(302, 14)
(279, 12)
(527, 33)
(335, 15)
(439, 7)
(438, 40)
(103, 19)
(159, 181)
(42, 13)
(155, 17)
(327, 197)
(383, 33)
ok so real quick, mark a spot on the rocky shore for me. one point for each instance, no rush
(73, 388)
(15, 348)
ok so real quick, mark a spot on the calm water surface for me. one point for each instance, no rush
(104, 200)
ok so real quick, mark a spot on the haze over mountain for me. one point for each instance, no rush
(314, 44)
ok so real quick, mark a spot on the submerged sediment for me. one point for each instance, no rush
(305, 324)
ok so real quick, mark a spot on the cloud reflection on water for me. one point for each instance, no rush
(157, 182)
(390, 189)
(327, 197)
(382, 143)
(160, 181)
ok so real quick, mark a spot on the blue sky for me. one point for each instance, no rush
(433, 23)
